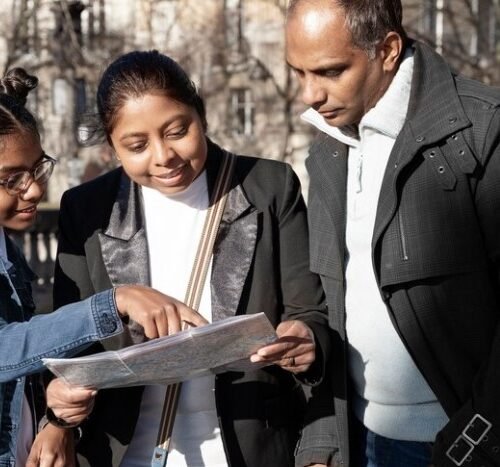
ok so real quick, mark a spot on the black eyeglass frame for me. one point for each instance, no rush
(31, 176)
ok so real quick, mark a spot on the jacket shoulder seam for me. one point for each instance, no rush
(469, 88)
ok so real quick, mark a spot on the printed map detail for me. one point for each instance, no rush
(220, 346)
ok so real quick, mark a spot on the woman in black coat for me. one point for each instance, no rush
(110, 234)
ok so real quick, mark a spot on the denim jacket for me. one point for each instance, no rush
(26, 339)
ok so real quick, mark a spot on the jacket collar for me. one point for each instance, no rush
(127, 216)
(123, 243)
(237, 203)
(434, 113)
(433, 98)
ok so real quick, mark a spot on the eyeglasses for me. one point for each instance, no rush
(18, 182)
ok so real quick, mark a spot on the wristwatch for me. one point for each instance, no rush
(50, 417)
(56, 421)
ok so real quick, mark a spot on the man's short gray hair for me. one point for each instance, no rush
(368, 21)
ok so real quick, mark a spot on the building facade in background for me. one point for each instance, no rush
(233, 49)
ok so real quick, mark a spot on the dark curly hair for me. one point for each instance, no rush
(14, 89)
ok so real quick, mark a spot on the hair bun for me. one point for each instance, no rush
(17, 84)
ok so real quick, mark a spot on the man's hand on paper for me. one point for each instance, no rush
(70, 403)
(294, 350)
(159, 314)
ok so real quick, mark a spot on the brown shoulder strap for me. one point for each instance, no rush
(193, 297)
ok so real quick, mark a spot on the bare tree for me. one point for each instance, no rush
(20, 33)
(466, 32)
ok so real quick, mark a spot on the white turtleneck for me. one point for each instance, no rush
(392, 397)
(173, 228)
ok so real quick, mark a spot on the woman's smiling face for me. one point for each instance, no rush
(160, 142)
(18, 152)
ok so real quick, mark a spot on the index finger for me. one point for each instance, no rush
(190, 316)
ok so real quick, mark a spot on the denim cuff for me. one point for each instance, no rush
(105, 313)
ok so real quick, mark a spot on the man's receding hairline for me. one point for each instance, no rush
(331, 6)
(294, 4)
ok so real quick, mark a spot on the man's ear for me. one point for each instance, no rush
(391, 49)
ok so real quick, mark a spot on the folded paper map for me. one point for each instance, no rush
(220, 346)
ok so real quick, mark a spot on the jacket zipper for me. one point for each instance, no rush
(403, 237)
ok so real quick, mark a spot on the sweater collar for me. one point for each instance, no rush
(387, 117)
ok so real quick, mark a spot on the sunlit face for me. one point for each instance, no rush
(19, 152)
(336, 78)
(161, 142)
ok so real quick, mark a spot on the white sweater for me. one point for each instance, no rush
(391, 397)
(173, 228)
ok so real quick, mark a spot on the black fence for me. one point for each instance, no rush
(39, 245)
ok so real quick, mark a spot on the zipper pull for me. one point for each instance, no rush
(159, 457)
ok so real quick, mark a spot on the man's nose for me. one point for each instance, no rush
(312, 92)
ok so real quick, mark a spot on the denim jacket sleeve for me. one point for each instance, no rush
(60, 334)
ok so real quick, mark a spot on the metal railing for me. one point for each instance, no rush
(39, 245)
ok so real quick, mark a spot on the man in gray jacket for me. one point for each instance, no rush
(404, 213)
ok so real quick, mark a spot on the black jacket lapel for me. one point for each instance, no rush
(235, 244)
(123, 244)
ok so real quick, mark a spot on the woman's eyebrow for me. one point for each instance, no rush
(172, 120)
(20, 168)
(131, 135)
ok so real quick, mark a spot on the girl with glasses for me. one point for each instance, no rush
(25, 339)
